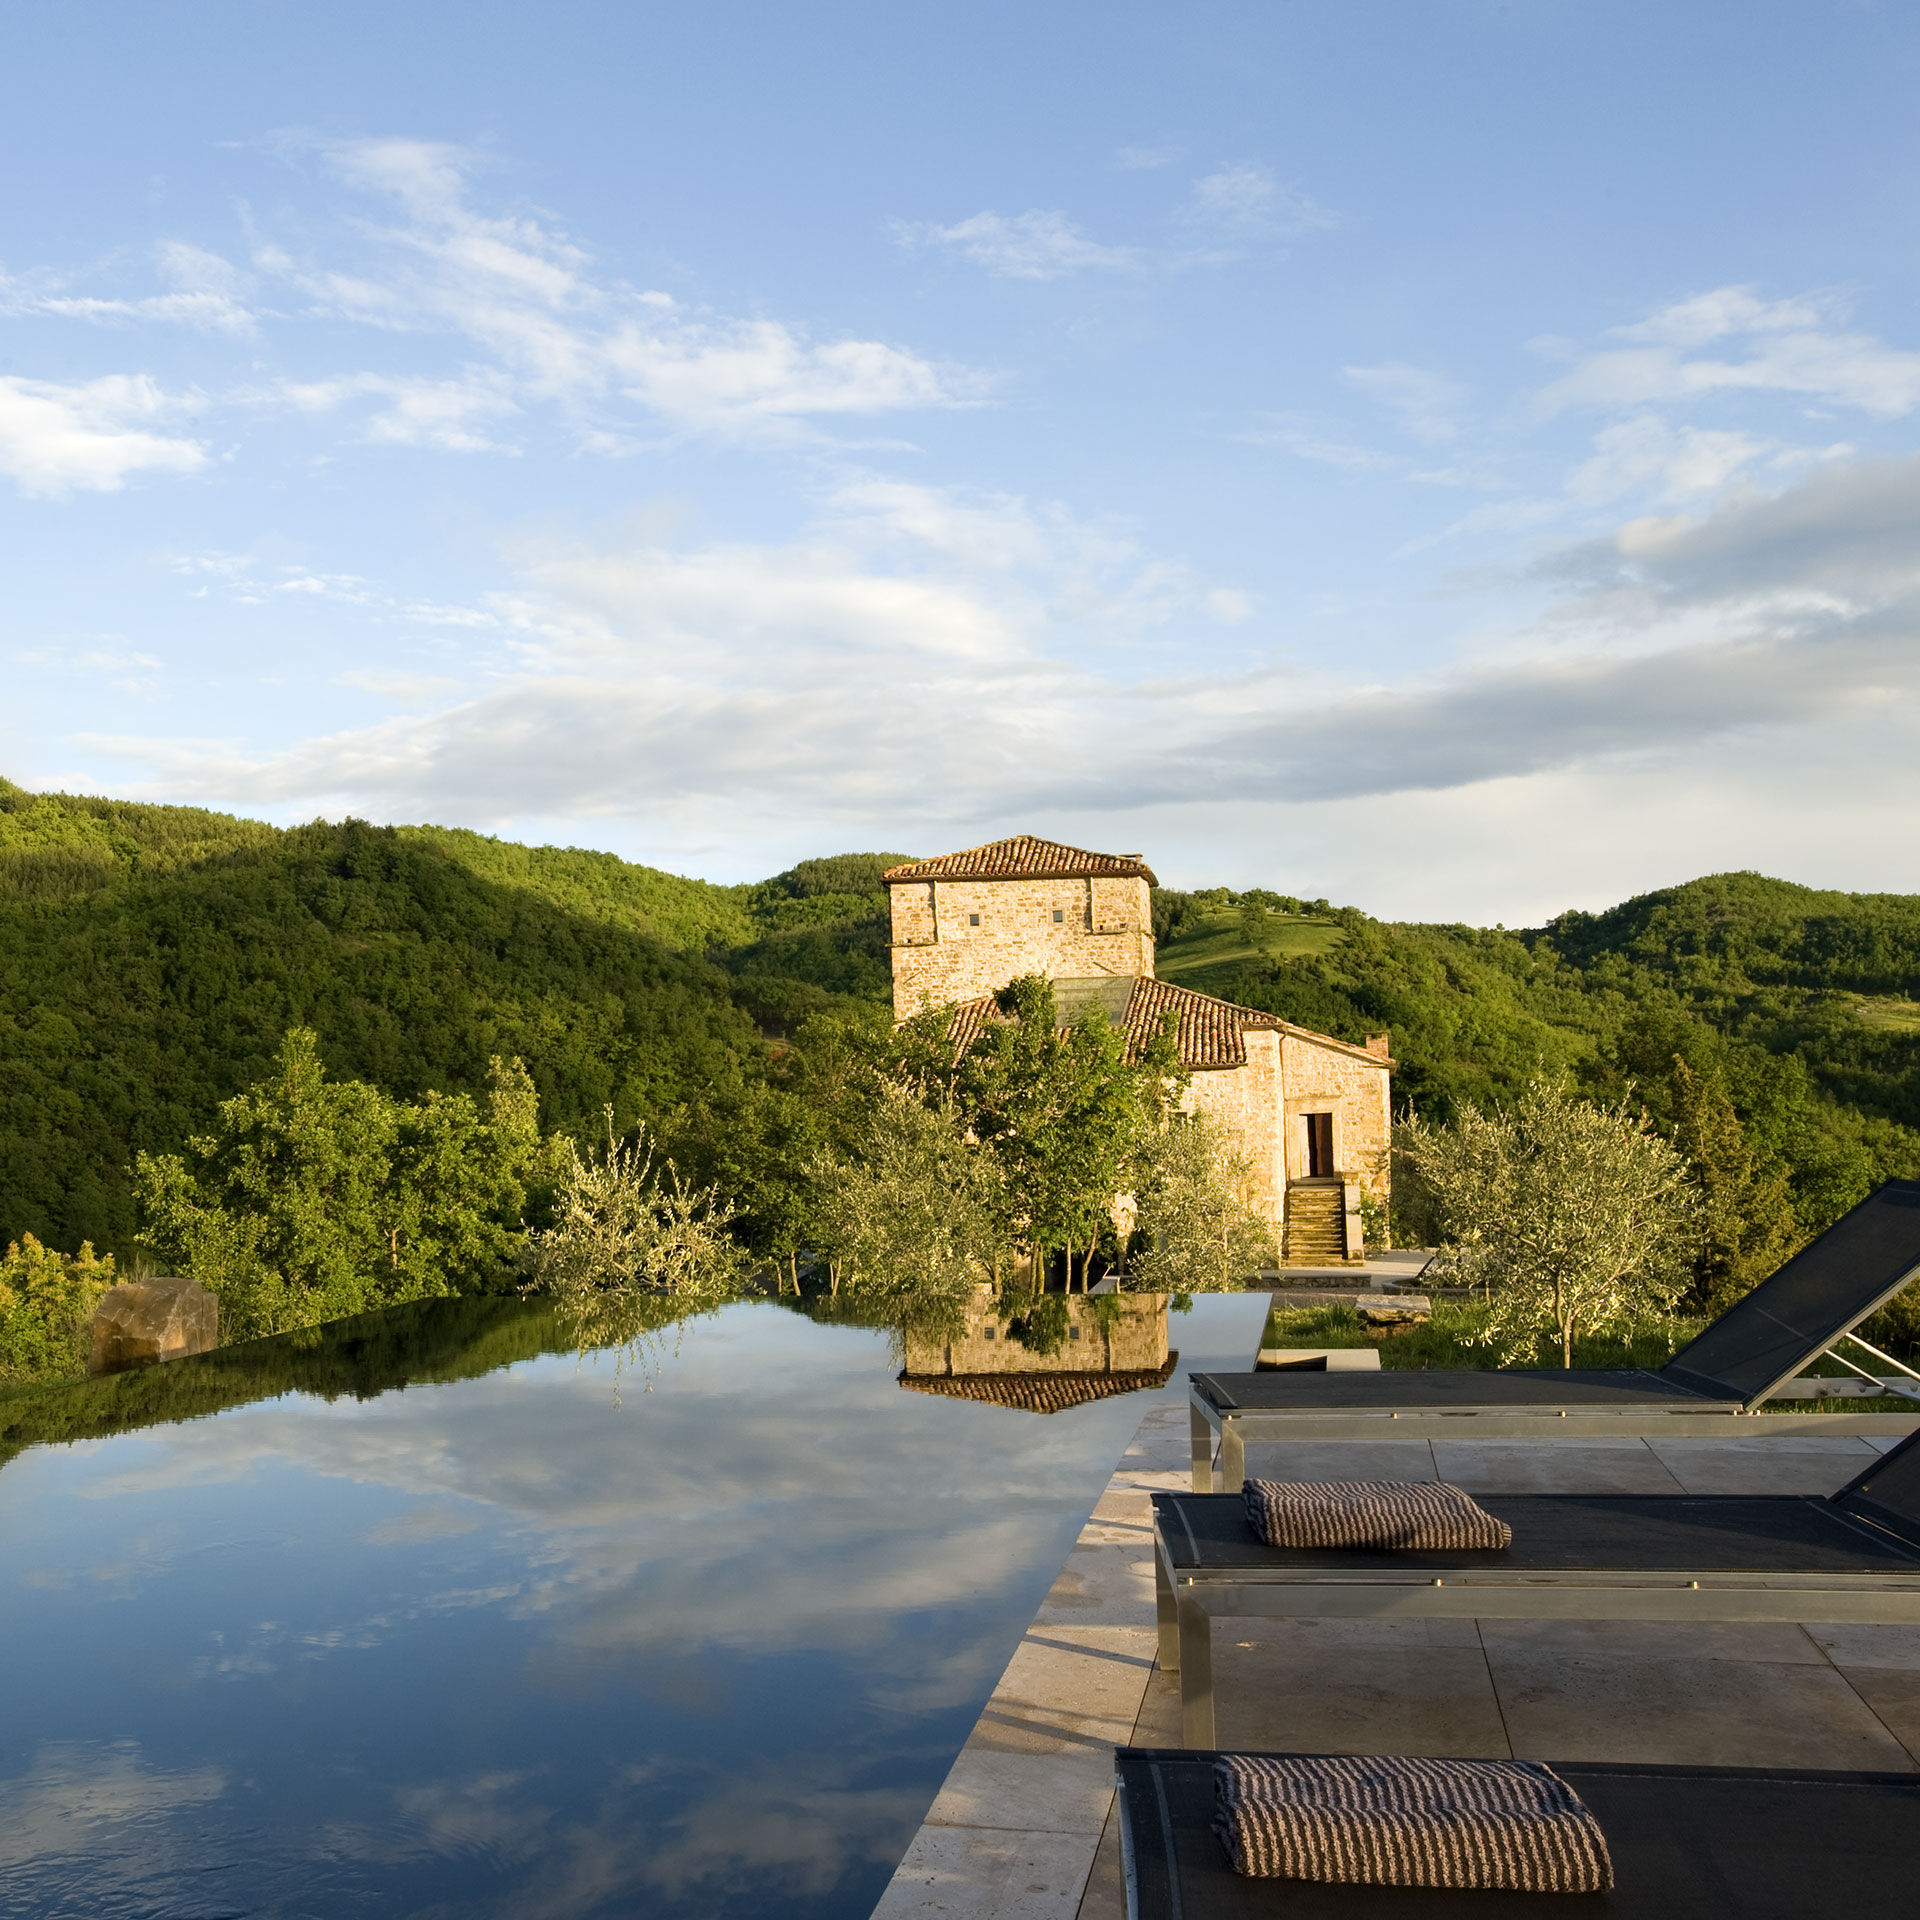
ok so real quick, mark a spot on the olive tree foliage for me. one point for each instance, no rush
(1568, 1218)
(631, 1244)
(920, 1215)
(1195, 1210)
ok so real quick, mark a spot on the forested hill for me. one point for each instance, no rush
(1802, 1005)
(151, 958)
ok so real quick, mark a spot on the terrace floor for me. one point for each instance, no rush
(1024, 1825)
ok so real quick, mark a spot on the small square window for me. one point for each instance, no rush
(1058, 917)
(986, 1333)
(1073, 1333)
(973, 919)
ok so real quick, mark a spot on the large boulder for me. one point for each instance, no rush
(141, 1321)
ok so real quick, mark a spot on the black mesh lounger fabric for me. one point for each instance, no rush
(1687, 1843)
(1397, 1821)
(1396, 1516)
(1570, 1533)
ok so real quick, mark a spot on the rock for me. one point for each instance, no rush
(142, 1321)
(1405, 1309)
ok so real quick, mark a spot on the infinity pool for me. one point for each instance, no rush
(703, 1641)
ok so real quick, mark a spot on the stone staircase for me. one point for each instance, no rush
(1316, 1224)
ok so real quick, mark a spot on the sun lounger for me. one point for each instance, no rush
(1687, 1843)
(1710, 1388)
(1854, 1556)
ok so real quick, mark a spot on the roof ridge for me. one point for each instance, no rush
(1024, 856)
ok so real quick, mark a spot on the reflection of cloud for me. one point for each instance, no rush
(423, 1523)
(96, 1814)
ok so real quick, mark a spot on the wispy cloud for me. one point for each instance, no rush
(1022, 246)
(92, 435)
(1786, 346)
(205, 292)
(1249, 201)
(1426, 404)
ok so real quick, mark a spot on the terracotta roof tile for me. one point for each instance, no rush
(1208, 1030)
(1025, 858)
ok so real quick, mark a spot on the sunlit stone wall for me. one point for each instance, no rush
(957, 939)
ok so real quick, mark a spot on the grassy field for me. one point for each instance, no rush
(1208, 957)
(1889, 1015)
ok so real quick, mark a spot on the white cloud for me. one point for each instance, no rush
(1022, 246)
(90, 436)
(530, 297)
(414, 412)
(1426, 404)
(1790, 349)
(542, 325)
(925, 659)
(1248, 200)
(1644, 456)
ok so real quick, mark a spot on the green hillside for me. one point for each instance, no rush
(151, 958)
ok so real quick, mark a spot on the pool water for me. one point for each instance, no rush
(701, 1640)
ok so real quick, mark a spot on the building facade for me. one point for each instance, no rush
(1312, 1113)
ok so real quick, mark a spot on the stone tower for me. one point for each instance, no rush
(967, 923)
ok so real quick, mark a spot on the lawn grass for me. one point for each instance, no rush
(1445, 1340)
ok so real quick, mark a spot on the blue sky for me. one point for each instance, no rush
(1456, 458)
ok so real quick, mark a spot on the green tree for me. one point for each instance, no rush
(1746, 1226)
(1194, 1211)
(1062, 1111)
(312, 1199)
(1568, 1217)
(46, 1300)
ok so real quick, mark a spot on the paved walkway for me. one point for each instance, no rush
(1024, 1825)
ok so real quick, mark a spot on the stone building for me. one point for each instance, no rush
(1311, 1112)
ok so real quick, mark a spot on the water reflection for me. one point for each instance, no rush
(491, 1644)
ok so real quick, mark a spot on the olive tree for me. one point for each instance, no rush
(1568, 1217)
(920, 1215)
(1194, 1206)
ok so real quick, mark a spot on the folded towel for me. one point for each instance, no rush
(1394, 1822)
(1393, 1514)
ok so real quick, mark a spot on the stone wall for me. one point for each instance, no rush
(958, 939)
(1355, 1090)
(1248, 1102)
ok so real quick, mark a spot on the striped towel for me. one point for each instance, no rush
(1508, 1824)
(1394, 1514)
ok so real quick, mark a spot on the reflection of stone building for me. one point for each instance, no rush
(1310, 1111)
(1114, 1343)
